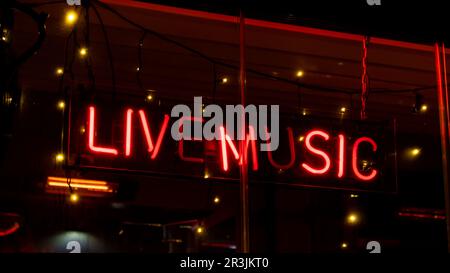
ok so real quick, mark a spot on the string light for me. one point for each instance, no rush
(354, 195)
(200, 230)
(352, 218)
(344, 245)
(61, 105)
(216, 200)
(59, 71)
(301, 138)
(414, 152)
(304, 112)
(206, 176)
(71, 17)
(343, 110)
(74, 198)
(424, 108)
(300, 73)
(59, 157)
(83, 51)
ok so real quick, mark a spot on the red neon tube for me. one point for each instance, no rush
(358, 174)
(318, 152)
(91, 133)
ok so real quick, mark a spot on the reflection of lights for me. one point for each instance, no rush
(59, 158)
(78, 183)
(352, 218)
(216, 200)
(71, 17)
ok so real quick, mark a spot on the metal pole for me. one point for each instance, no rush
(244, 223)
(443, 121)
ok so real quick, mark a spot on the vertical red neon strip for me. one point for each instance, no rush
(128, 132)
(147, 134)
(252, 140)
(341, 155)
(318, 152)
(224, 149)
(162, 131)
(358, 174)
(91, 133)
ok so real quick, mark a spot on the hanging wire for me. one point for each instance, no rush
(364, 79)
(108, 48)
(140, 61)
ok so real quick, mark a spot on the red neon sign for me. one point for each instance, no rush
(320, 154)
(358, 174)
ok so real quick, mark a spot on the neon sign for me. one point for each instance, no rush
(308, 152)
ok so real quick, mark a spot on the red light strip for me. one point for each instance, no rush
(421, 215)
(267, 24)
(358, 174)
(10, 230)
(318, 152)
(92, 147)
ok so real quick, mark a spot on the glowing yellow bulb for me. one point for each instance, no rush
(71, 17)
(74, 198)
(343, 109)
(354, 196)
(83, 51)
(424, 108)
(344, 245)
(224, 80)
(200, 230)
(61, 105)
(59, 71)
(304, 113)
(301, 138)
(216, 200)
(206, 176)
(415, 152)
(149, 97)
(82, 130)
(59, 158)
(352, 218)
(300, 73)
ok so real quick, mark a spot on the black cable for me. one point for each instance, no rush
(140, 62)
(108, 47)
